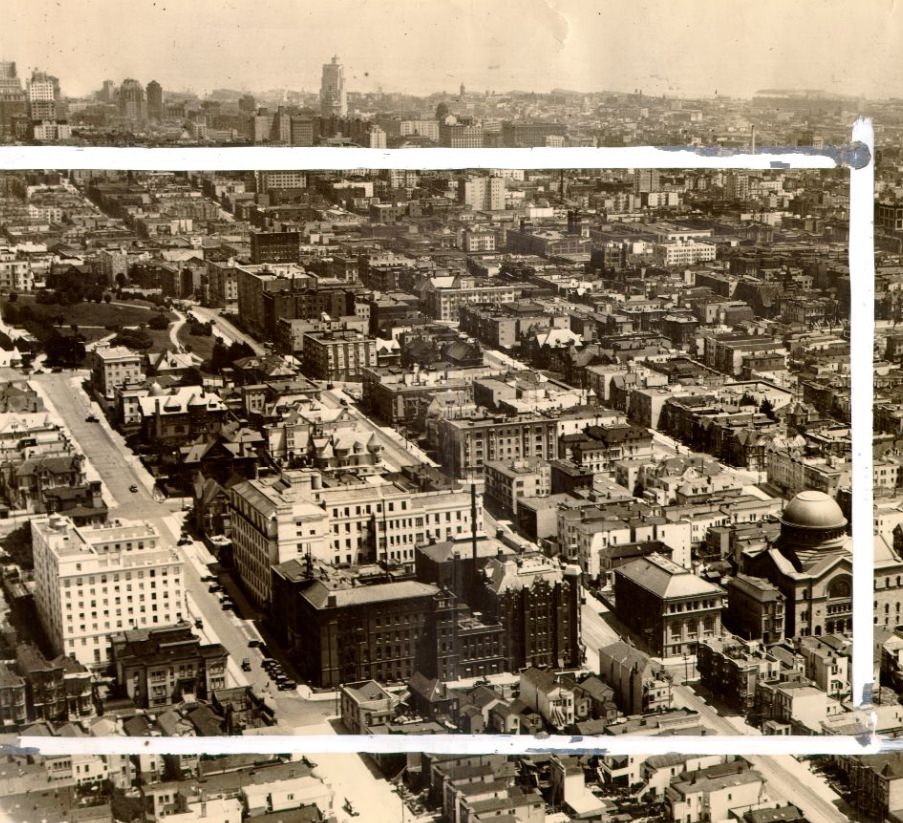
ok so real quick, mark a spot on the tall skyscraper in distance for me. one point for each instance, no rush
(247, 104)
(154, 101)
(43, 92)
(9, 79)
(107, 92)
(333, 98)
(12, 98)
(131, 100)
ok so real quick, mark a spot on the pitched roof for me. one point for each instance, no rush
(665, 578)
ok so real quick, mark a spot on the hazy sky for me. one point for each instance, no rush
(420, 46)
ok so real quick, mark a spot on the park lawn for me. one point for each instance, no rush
(92, 319)
(198, 344)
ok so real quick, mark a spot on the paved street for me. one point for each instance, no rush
(595, 630)
(353, 776)
(790, 780)
(118, 468)
(227, 329)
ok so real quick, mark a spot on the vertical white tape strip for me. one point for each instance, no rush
(862, 330)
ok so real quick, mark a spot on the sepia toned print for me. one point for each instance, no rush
(426, 452)
(540, 788)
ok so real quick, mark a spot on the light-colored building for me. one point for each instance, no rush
(93, 581)
(113, 367)
(337, 354)
(482, 193)
(367, 520)
(15, 273)
(333, 96)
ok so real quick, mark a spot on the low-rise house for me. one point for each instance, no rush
(639, 684)
(366, 704)
(548, 696)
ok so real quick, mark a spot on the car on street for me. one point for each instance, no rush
(246, 665)
(133, 488)
(184, 541)
(198, 623)
(254, 643)
(214, 587)
(91, 418)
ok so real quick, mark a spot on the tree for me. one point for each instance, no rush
(13, 297)
(133, 339)
(64, 350)
(158, 322)
(192, 377)
(442, 111)
(107, 298)
(767, 408)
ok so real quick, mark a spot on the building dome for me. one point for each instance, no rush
(813, 511)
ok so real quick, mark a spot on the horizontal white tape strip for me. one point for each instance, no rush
(264, 158)
(457, 744)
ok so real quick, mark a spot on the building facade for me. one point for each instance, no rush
(93, 581)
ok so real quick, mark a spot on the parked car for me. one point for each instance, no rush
(198, 623)
(246, 665)
(254, 643)
(133, 488)
(91, 418)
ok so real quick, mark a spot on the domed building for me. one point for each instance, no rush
(811, 563)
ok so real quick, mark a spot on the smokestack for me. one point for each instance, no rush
(752, 139)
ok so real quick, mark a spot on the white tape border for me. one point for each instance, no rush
(861, 266)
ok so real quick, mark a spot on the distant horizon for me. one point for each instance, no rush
(476, 93)
(685, 48)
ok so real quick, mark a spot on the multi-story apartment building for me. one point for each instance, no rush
(252, 282)
(271, 524)
(222, 283)
(478, 240)
(337, 354)
(307, 514)
(482, 193)
(161, 666)
(466, 444)
(684, 253)
(461, 136)
(15, 273)
(275, 246)
(730, 669)
(266, 180)
(114, 366)
(420, 128)
(93, 581)
(508, 481)
(290, 332)
(444, 296)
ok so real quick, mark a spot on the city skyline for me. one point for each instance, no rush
(621, 47)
